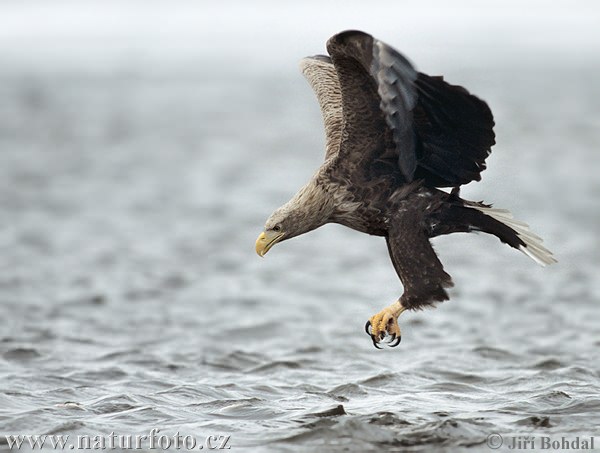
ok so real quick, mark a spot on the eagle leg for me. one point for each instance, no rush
(385, 324)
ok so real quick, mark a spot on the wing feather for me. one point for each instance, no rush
(323, 79)
(378, 96)
(435, 131)
(455, 131)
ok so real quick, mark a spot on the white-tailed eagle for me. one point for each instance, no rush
(394, 137)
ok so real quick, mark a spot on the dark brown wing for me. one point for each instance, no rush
(432, 130)
(378, 96)
(415, 261)
(455, 133)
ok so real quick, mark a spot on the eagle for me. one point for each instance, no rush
(395, 139)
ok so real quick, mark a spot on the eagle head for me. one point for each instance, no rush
(308, 209)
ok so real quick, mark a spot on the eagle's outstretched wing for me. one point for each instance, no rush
(430, 129)
(322, 77)
(415, 261)
(455, 133)
(377, 131)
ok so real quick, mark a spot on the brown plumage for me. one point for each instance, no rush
(394, 136)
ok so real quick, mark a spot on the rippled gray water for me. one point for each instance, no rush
(129, 288)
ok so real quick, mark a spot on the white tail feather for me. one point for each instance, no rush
(533, 247)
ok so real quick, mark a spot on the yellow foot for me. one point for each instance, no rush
(384, 324)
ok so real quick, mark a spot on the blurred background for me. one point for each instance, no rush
(144, 143)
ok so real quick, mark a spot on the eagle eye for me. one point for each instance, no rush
(277, 228)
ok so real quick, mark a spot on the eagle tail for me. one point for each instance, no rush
(500, 223)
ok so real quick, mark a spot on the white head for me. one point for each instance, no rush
(310, 208)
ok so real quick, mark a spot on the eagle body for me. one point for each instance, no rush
(395, 139)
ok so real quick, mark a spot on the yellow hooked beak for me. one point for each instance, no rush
(266, 240)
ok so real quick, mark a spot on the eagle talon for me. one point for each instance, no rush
(393, 345)
(385, 324)
(375, 342)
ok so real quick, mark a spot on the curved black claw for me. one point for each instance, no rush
(367, 325)
(396, 343)
(374, 342)
(392, 338)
